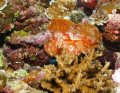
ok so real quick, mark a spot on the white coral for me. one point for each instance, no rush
(99, 17)
(60, 8)
(4, 3)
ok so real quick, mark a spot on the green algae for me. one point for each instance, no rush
(1, 60)
(21, 33)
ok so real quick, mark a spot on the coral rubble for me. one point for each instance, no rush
(73, 77)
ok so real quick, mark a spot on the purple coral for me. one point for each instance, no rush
(29, 15)
(29, 54)
(108, 56)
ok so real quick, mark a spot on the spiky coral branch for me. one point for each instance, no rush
(73, 77)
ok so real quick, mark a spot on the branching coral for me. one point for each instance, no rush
(60, 8)
(73, 77)
(75, 38)
(100, 17)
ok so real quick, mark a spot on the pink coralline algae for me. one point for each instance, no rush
(117, 64)
(114, 21)
(116, 76)
(38, 39)
(29, 34)
(112, 30)
(6, 89)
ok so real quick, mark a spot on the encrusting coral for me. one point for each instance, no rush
(60, 8)
(76, 38)
(29, 15)
(69, 76)
(29, 34)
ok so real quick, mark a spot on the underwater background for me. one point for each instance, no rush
(59, 46)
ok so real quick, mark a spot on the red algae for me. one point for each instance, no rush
(76, 38)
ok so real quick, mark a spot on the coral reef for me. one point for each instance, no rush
(73, 77)
(12, 82)
(60, 8)
(107, 20)
(25, 47)
(19, 37)
(111, 33)
(59, 46)
(30, 33)
(100, 16)
(29, 15)
(76, 38)
(17, 56)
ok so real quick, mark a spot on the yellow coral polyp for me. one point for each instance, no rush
(76, 38)
(3, 4)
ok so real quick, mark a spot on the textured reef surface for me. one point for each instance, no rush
(59, 46)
